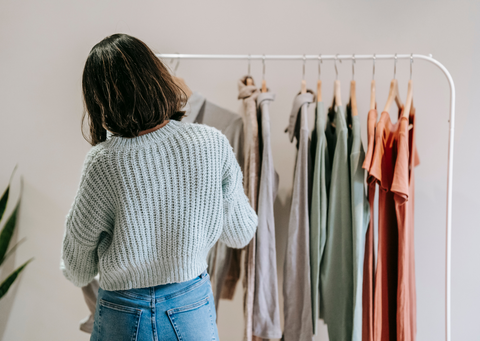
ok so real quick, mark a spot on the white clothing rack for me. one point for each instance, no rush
(451, 121)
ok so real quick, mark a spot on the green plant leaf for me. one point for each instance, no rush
(12, 249)
(4, 198)
(3, 202)
(10, 279)
(7, 232)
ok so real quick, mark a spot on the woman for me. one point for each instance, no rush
(153, 199)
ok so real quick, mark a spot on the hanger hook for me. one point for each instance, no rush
(176, 65)
(336, 70)
(373, 76)
(304, 62)
(319, 62)
(353, 66)
(395, 67)
(411, 65)
(263, 72)
(249, 63)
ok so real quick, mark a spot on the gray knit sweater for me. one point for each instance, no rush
(149, 208)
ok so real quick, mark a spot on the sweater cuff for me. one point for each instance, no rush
(79, 263)
(241, 223)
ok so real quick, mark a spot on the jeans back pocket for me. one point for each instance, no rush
(193, 321)
(118, 322)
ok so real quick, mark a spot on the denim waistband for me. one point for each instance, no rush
(164, 292)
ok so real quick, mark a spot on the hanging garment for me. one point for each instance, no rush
(249, 94)
(360, 219)
(403, 186)
(296, 284)
(369, 256)
(382, 169)
(220, 257)
(337, 275)
(266, 307)
(318, 213)
(199, 110)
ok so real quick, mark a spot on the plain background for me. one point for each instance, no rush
(43, 47)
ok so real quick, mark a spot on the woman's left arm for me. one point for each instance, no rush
(91, 215)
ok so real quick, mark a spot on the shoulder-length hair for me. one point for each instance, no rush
(127, 89)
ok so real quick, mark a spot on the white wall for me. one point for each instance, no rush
(43, 47)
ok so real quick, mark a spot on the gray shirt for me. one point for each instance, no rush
(296, 283)
(266, 307)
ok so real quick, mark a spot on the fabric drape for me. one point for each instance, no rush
(266, 307)
(248, 94)
(360, 220)
(336, 281)
(318, 217)
(296, 284)
(403, 186)
(369, 255)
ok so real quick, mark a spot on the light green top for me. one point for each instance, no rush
(318, 216)
(341, 265)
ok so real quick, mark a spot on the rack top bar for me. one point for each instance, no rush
(291, 57)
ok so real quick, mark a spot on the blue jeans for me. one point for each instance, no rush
(177, 311)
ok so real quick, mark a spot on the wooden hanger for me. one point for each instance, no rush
(409, 100)
(319, 82)
(181, 83)
(336, 86)
(264, 82)
(319, 90)
(337, 93)
(373, 104)
(249, 80)
(393, 93)
(353, 92)
(353, 98)
(397, 96)
(303, 86)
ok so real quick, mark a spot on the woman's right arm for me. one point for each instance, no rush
(240, 220)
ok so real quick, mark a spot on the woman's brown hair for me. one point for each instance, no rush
(127, 89)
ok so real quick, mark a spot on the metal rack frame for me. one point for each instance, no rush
(451, 121)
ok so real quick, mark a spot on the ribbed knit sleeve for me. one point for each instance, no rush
(88, 223)
(240, 220)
